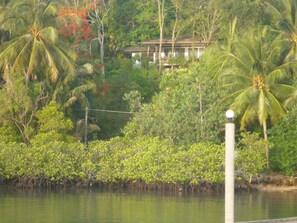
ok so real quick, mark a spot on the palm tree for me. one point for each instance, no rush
(285, 12)
(77, 89)
(35, 48)
(258, 81)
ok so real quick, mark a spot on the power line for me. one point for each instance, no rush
(111, 111)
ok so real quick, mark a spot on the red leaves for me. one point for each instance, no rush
(80, 29)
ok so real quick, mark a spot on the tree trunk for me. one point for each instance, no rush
(161, 16)
(174, 36)
(101, 44)
(266, 143)
(201, 110)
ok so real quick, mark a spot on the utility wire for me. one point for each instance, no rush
(111, 111)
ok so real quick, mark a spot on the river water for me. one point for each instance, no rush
(97, 206)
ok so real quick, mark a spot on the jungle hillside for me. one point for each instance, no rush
(76, 109)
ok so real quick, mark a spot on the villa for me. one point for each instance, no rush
(183, 48)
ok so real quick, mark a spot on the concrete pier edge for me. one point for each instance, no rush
(288, 220)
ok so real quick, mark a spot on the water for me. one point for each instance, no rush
(96, 206)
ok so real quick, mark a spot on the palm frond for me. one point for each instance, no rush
(50, 9)
(277, 75)
(32, 57)
(236, 78)
(93, 128)
(273, 10)
(240, 61)
(84, 88)
(286, 27)
(248, 116)
(244, 99)
(69, 102)
(52, 67)
(49, 34)
(274, 107)
(282, 91)
(8, 49)
(291, 101)
(262, 107)
(64, 58)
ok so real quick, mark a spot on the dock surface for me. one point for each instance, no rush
(287, 220)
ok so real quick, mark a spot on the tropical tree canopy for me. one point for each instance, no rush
(35, 48)
(258, 80)
(285, 12)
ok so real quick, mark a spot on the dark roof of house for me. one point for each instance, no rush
(178, 42)
(149, 45)
(138, 49)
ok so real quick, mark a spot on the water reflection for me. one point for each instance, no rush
(126, 207)
(266, 205)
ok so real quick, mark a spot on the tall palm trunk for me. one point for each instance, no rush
(266, 142)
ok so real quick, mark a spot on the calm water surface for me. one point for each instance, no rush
(127, 207)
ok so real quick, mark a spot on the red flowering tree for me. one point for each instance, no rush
(84, 24)
(86, 20)
(76, 23)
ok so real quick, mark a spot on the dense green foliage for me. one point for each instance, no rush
(59, 57)
(250, 155)
(122, 79)
(52, 125)
(144, 159)
(182, 111)
(20, 102)
(283, 136)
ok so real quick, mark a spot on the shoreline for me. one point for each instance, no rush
(274, 188)
(265, 183)
(160, 187)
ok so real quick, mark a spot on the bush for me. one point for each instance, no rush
(141, 159)
(8, 133)
(148, 159)
(105, 158)
(201, 162)
(250, 155)
(283, 156)
(55, 162)
(12, 159)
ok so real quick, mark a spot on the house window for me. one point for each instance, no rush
(166, 52)
(180, 52)
(198, 51)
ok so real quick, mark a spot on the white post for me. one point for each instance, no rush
(229, 168)
(86, 126)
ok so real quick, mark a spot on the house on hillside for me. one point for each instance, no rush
(183, 48)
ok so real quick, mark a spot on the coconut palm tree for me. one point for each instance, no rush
(258, 81)
(77, 89)
(285, 12)
(35, 48)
